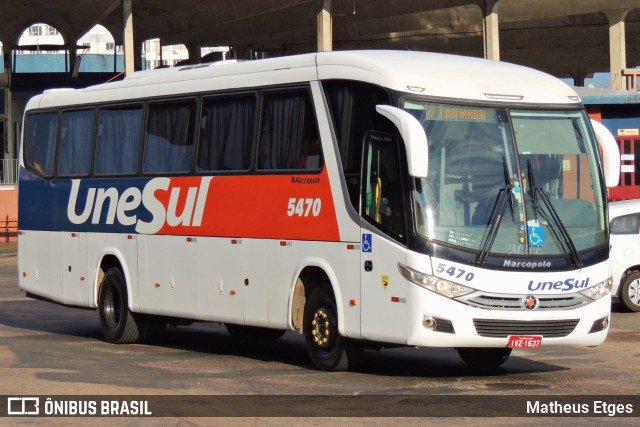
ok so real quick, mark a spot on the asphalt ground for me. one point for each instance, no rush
(48, 350)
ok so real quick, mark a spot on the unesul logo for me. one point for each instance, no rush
(122, 205)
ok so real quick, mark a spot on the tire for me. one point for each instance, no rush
(327, 349)
(484, 357)
(253, 333)
(118, 324)
(629, 294)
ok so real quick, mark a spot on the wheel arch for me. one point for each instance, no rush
(630, 270)
(109, 258)
(311, 274)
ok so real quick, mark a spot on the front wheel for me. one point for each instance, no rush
(327, 349)
(484, 357)
(630, 292)
(118, 324)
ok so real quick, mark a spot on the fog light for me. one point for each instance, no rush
(438, 325)
(429, 322)
(600, 325)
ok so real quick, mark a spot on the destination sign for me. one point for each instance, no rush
(447, 112)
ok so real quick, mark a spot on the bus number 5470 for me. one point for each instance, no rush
(302, 207)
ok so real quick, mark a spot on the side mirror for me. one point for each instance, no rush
(610, 154)
(415, 140)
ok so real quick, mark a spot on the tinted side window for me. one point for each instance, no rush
(169, 136)
(118, 144)
(382, 202)
(76, 143)
(226, 134)
(40, 144)
(628, 224)
(289, 133)
(353, 111)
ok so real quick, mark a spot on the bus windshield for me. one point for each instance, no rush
(509, 182)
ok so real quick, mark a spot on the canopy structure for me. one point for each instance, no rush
(563, 37)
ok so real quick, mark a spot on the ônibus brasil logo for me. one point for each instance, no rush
(123, 207)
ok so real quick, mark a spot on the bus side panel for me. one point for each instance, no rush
(168, 275)
(344, 257)
(257, 277)
(77, 289)
(124, 248)
(335, 259)
(220, 283)
(40, 263)
(384, 290)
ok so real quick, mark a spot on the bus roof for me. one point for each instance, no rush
(431, 74)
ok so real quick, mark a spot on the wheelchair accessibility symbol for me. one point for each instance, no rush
(536, 236)
(366, 243)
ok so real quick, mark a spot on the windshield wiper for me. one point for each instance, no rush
(508, 186)
(496, 215)
(535, 192)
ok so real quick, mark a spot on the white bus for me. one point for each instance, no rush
(363, 199)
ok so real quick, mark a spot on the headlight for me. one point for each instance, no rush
(435, 284)
(600, 290)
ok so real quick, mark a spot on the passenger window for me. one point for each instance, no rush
(289, 133)
(383, 200)
(628, 224)
(168, 146)
(119, 136)
(76, 143)
(40, 144)
(353, 112)
(226, 134)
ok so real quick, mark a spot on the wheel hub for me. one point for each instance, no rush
(320, 327)
(634, 292)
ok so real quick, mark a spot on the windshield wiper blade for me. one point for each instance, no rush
(508, 186)
(534, 192)
(573, 252)
(496, 219)
(497, 214)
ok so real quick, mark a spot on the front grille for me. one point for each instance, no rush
(514, 302)
(503, 328)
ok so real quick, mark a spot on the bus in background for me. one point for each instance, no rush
(364, 199)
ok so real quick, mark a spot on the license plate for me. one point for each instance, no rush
(525, 341)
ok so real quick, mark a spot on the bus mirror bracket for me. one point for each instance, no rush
(610, 153)
(414, 137)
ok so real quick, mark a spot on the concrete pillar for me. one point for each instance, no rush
(490, 30)
(127, 37)
(137, 56)
(617, 48)
(73, 53)
(5, 77)
(195, 53)
(325, 30)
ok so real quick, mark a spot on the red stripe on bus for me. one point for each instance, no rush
(258, 206)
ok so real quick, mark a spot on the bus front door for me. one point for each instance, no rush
(383, 234)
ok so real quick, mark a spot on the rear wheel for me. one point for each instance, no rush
(327, 349)
(630, 292)
(118, 324)
(484, 357)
